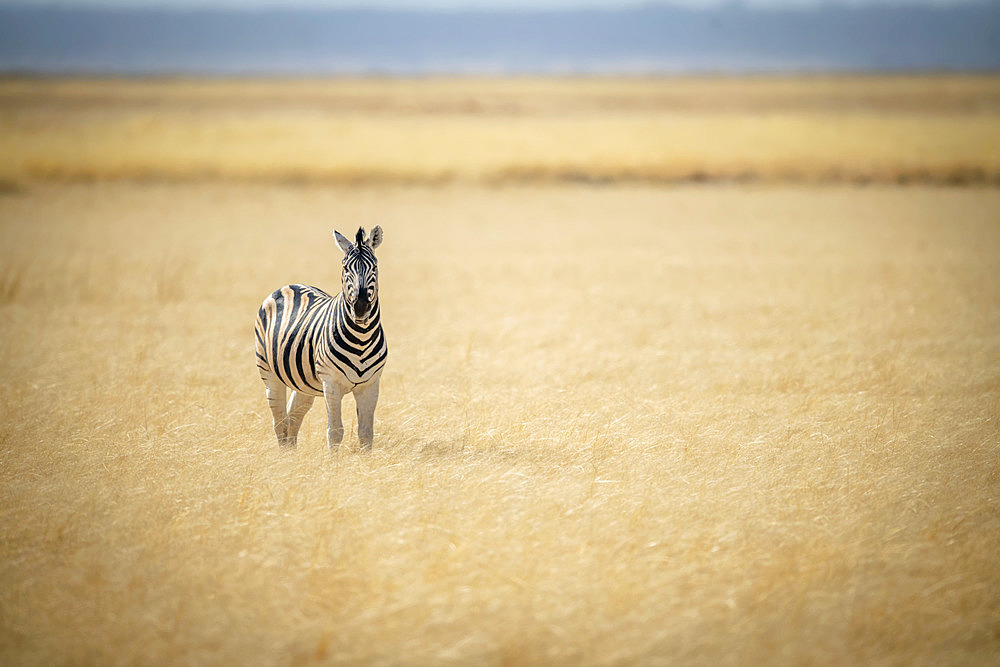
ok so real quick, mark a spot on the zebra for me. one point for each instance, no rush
(322, 345)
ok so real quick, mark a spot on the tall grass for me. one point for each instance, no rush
(855, 130)
(699, 425)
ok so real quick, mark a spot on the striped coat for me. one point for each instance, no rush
(321, 345)
(303, 332)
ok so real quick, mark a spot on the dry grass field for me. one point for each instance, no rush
(810, 129)
(697, 424)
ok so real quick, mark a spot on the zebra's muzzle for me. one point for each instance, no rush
(362, 311)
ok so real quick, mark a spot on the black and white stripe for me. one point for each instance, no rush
(322, 345)
(301, 329)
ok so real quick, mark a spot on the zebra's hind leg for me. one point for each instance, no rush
(298, 406)
(275, 391)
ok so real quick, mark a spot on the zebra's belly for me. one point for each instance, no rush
(306, 389)
(296, 372)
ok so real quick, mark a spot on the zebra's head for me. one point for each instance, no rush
(359, 280)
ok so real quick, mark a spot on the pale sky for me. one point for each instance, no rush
(467, 4)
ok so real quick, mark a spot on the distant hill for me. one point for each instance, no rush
(638, 40)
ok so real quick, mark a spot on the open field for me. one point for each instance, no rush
(718, 425)
(943, 129)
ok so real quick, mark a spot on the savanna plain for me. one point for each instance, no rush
(649, 399)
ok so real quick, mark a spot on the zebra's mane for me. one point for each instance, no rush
(362, 249)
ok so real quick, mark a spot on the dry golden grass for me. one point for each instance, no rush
(839, 129)
(694, 425)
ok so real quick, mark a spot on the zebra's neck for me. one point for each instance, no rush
(358, 352)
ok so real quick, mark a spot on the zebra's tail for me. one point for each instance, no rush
(260, 333)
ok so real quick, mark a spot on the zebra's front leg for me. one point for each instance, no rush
(334, 427)
(275, 391)
(298, 406)
(366, 398)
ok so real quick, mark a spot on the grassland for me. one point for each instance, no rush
(813, 129)
(702, 424)
(738, 423)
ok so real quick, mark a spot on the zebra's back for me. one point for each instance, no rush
(290, 327)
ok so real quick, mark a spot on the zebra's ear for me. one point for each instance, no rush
(376, 239)
(342, 241)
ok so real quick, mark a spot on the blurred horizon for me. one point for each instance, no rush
(498, 37)
(477, 5)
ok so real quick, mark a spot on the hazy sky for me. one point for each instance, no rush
(466, 4)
